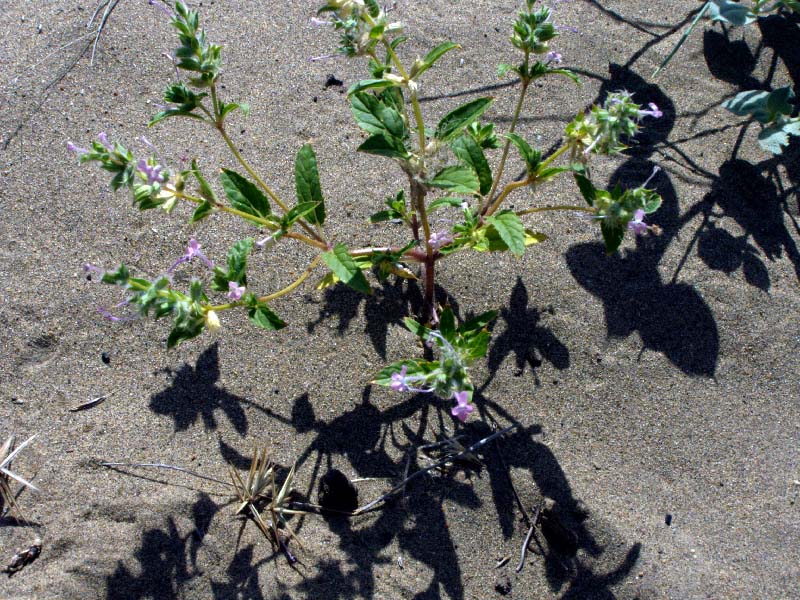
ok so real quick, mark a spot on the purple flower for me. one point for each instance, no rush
(399, 381)
(236, 290)
(152, 172)
(653, 112)
(438, 240)
(192, 250)
(103, 137)
(463, 408)
(76, 149)
(637, 222)
(553, 57)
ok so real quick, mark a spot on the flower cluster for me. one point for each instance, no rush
(604, 128)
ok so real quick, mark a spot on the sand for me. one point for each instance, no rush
(655, 392)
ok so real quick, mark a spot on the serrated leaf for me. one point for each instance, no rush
(453, 122)
(382, 145)
(306, 179)
(468, 150)
(345, 268)
(262, 316)
(244, 195)
(375, 117)
(237, 266)
(773, 139)
(510, 229)
(417, 328)
(530, 156)
(458, 179)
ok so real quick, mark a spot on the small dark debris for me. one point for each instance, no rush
(314, 99)
(668, 520)
(503, 586)
(332, 81)
(336, 492)
(23, 558)
(105, 358)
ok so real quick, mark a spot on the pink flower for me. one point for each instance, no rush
(399, 381)
(653, 112)
(463, 408)
(236, 290)
(637, 222)
(440, 239)
(192, 250)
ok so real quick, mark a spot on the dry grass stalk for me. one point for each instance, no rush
(259, 489)
(7, 454)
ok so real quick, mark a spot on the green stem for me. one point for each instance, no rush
(294, 284)
(261, 183)
(223, 208)
(414, 100)
(501, 167)
(514, 185)
(554, 156)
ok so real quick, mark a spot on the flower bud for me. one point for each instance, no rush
(212, 321)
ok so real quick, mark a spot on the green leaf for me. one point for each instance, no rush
(202, 211)
(730, 12)
(413, 367)
(530, 156)
(306, 179)
(244, 195)
(447, 201)
(297, 212)
(375, 117)
(585, 185)
(477, 323)
(205, 190)
(458, 179)
(345, 268)
(447, 324)
(118, 277)
(468, 150)
(773, 139)
(417, 328)
(453, 122)
(368, 84)
(382, 145)
(237, 266)
(433, 56)
(511, 230)
(384, 215)
(262, 316)
(612, 235)
(763, 106)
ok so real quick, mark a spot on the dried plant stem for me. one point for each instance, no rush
(165, 466)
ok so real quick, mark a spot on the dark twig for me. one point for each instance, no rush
(531, 530)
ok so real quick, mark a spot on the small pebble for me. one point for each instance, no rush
(105, 358)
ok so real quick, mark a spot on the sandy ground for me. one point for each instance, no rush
(656, 390)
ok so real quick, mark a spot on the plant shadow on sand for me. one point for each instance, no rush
(579, 554)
